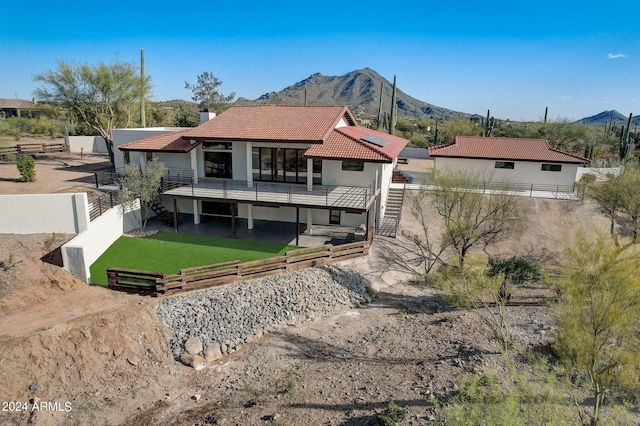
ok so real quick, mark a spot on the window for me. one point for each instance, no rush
(551, 167)
(334, 217)
(353, 166)
(279, 164)
(127, 157)
(149, 156)
(505, 165)
(214, 145)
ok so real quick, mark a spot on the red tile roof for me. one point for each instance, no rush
(503, 149)
(347, 143)
(293, 123)
(168, 142)
(283, 123)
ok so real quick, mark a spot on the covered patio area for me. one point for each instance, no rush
(263, 230)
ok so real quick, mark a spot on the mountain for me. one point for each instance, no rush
(606, 116)
(359, 90)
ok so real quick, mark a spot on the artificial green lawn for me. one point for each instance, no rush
(169, 252)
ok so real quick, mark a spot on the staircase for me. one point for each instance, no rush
(389, 224)
(160, 211)
(399, 177)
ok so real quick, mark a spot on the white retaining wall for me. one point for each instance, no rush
(79, 253)
(44, 213)
(87, 145)
(601, 173)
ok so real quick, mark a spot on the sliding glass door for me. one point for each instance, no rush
(281, 165)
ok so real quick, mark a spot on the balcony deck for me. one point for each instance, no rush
(347, 198)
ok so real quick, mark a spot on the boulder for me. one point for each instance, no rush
(193, 345)
(195, 361)
(212, 352)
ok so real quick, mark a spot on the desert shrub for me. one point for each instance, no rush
(392, 415)
(27, 168)
(522, 395)
(516, 269)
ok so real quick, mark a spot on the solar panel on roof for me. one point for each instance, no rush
(376, 140)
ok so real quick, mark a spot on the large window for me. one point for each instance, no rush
(551, 167)
(218, 165)
(505, 164)
(280, 165)
(353, 165)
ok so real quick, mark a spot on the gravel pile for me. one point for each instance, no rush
(230, 315)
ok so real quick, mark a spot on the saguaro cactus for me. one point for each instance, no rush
(380, 119)
(489, 124)
(394, 110)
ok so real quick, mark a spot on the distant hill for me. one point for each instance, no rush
(359, 90)
(606, 116)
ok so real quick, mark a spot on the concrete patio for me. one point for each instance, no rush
(263, 230)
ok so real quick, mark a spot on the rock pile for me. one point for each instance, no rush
(207, 324)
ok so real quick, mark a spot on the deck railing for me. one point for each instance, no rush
(357, 197)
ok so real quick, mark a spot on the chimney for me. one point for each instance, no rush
(206, 116)
(33, 100)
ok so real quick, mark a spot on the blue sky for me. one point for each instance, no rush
(576, 58)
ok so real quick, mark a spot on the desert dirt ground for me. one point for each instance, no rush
(107, 354)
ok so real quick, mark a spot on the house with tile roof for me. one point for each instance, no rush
(515, 160)
(277, 162)
(20, 107)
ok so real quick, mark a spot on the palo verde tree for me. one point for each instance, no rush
(206, 94)
(103, 97)
(143, 186)
(598, 316)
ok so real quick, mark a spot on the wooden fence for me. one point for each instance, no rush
(201, 277)
(32, 148)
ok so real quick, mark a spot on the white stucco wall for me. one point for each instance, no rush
(87, 145)
(80, 253)
(122, 136)
(332, 174)
(44, 213)
(523, 172)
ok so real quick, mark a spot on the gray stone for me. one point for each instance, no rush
(193, 345)
(195, 361)
(212, 352)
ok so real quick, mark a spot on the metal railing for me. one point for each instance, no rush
(99, 205)
(275, 192)
(510, 186)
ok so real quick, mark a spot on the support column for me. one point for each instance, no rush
(175, 215)
(309, 174)
(249, 216)
(233, 220)
(143, 162)
(249, 155)
(196, 212)
(194, 164)
(309, 221)
(297, 226)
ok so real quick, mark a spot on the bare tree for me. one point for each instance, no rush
(470, 216)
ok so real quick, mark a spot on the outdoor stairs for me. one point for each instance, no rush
(389, 225)
(160, 210)
(399, 177)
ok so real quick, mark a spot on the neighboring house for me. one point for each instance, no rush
(518, 161)
(277, 162)
(19, 107)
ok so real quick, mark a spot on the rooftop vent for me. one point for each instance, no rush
(376, 141)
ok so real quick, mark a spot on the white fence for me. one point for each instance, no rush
(44, 213)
